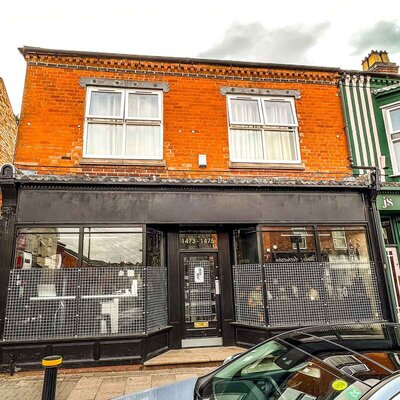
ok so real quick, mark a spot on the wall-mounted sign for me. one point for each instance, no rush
(199, 275)
(198, 240)
(388, 202)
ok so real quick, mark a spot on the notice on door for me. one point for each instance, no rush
(199, 275)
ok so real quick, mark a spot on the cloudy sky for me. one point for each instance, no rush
(336, 33)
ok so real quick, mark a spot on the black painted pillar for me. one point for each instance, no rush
(7, 229)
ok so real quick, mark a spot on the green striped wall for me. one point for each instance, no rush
(365, 123)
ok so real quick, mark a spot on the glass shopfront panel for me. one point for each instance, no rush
(112, 247)
(343, 244)
(285, 245)
(47, 248)
(85, 282)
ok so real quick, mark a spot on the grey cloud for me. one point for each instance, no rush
(384, 35)
(255, 42)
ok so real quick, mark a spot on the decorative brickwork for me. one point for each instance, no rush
(195, 117)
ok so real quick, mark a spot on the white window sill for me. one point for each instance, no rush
(271, 166)
(115, 161)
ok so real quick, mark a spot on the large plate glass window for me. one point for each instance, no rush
(343, 244)
(112, 247)
(287, 245)
(47, 248)
(263, 129)
(122, 123)
(392, 124)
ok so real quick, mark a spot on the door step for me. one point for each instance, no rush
(197, 357)
(201, 342)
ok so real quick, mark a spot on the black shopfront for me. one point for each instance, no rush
(107, 272)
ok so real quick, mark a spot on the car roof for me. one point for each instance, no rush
(363, 339)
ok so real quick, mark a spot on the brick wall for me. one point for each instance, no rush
(8, 127)
(195, 117)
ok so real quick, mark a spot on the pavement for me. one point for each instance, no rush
(93, 385)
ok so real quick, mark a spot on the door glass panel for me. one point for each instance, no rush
(199, 289)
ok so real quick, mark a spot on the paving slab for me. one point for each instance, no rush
(92, 384)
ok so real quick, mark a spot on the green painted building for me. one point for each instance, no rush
(371, 103)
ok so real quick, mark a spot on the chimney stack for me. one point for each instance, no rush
(378, 61)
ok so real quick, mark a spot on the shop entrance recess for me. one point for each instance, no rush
(201, 289)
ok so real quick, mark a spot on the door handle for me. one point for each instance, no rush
(217, 288)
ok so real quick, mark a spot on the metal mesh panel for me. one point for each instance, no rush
(295, 294)
(200, 296)
(111, 301)
(156, 304)
(306, 293)
(351, 292)
(249, 304)
(41, 304)
(66, 303)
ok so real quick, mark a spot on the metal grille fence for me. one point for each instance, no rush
(306, 293)
(67, 303)
(249, 299)
(156, 305)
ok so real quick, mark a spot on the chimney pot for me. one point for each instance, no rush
(378, 61)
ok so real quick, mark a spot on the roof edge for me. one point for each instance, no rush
(25, 50)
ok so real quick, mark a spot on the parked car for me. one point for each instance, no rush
(341, 362)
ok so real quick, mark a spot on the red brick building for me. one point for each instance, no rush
(172, 202)
(8, 128)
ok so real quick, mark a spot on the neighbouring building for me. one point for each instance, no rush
(163, 202)
(8, 128)
(371, 100)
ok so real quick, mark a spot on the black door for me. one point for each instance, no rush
(201, 295)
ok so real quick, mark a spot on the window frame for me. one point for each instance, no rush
(123, 120)
(390, 133)
(264, 127)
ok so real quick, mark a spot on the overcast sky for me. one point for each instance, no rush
(336, 33)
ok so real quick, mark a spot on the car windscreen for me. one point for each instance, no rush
(277, 370)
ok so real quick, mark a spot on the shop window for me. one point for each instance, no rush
(47, 248)
(391, 116)
(344, 244)
(288, 245)
(246, 246)
(123, 124)
(154, 245)
(263, 129)
(109, 247)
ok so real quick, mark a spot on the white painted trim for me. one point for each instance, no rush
(366, 122)
(374, 127)
(352, 122)
(359, 121)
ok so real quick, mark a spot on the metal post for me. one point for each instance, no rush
(51, 364)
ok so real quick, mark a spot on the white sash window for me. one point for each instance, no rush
(263, 129)
(123, 123)
(391, 115)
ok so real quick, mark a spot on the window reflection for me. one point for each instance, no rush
(343, 244)
(48, 248)
(287, 245)
(107, 247)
